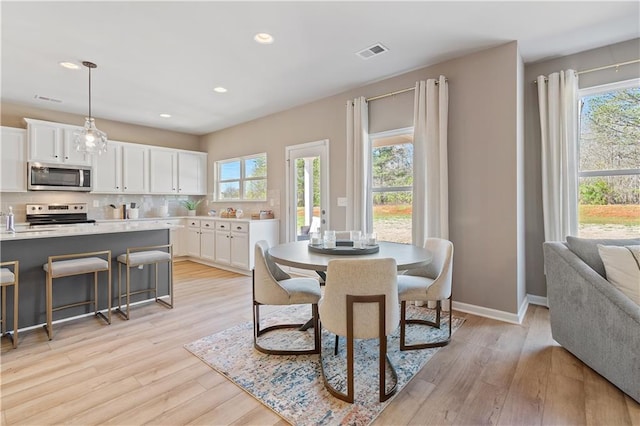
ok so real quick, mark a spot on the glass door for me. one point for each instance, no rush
(307, 189)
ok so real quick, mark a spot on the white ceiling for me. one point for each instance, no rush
(166, 57)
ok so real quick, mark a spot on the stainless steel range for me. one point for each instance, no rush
(57, 214)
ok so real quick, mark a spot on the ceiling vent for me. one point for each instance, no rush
(371, 51)
(47, 99)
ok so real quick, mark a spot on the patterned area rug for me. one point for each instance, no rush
(292, 385)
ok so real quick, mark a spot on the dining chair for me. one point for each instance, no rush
(429, 283)
(273, 286)
(361, 302)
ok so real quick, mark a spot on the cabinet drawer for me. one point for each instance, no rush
(193, 223)
(240, 227)
(223, 226)
(207, 224)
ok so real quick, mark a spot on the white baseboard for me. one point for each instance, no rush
(537, 300)
(510, 317)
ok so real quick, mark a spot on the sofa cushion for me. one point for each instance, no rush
(587, 250)
(623, 268)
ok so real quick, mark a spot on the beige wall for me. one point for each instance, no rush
(483, 138)
(616, 53)
(12, 115)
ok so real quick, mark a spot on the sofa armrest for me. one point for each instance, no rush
(592, 319)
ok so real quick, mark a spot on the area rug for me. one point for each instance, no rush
(292, 385)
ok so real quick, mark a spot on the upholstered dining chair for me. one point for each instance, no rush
(431, 283)
(361, 302)
(273, 286)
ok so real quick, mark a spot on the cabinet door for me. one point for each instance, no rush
(107, 170)
(240, 250)
(70, 155)
(193, 242)
(134, 169)
(13, 160)
(207, 244)
(45, 142)
(223, 247)
(163, 174)
(192, 169)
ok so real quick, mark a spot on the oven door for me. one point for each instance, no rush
(57, 177)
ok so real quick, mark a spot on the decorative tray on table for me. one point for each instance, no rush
(344, 247)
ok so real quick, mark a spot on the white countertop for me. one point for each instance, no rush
(111, 227)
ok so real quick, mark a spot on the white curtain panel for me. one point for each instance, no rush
(559, 121)
(430, 216)
(358, 178)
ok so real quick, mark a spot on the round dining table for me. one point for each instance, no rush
(297, 254)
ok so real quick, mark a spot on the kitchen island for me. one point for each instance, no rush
(32, 247)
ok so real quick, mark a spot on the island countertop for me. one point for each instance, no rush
(23, 233)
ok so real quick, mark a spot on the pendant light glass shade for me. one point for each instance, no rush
(90, 140)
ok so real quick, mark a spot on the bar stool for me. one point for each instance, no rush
(139, 256)
(9, 278)
(77, 264)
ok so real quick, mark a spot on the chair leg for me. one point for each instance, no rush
(404, 322)
(384, 358)
(257, 332)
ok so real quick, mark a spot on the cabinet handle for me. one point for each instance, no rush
(56, 156)
(66, 158)
(238, 227)
(125, 187)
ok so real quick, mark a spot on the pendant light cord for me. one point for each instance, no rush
(89, 92)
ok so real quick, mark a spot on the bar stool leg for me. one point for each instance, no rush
(15, 313)
(95, 293)
(4, 310)
(128, 284)
(49, 307)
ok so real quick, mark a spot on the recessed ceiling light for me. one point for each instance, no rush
(70, 65)
(220, 90)
(163, 115)
(263, 38)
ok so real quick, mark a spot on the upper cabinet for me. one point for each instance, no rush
(13, 160)
(192, 173)
(123, 168)
(177, 172)
(163, 171)
(53, 143)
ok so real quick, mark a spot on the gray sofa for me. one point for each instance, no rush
(590, 317)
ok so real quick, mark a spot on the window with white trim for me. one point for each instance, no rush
(242, 179)
(609, 161)
(392, 184)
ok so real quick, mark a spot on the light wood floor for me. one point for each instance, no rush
(137, 371)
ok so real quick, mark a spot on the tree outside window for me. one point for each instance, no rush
(609, 169)
(392, 184)
(242, 179)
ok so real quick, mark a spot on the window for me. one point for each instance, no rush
(242, 179)
(392, 184)
(609, 169)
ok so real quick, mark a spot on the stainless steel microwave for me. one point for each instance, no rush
(59, 177)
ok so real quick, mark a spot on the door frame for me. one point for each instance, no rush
(291, 219)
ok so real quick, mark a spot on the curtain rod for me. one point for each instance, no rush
(397, 92)
(605, 67)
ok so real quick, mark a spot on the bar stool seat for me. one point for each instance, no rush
(10, 278)
(77, 264)
(136, 257)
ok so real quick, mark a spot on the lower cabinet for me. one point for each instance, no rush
(228, 244)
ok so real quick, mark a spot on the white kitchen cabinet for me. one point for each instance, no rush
(13, 157)
(177, 172)
(232, 244)
(123, 168)
(193, 238)
(135, 168)
(207, 240)
(176, 237)
(163, 171)
(228, 243)
(53, 143)
(107, 170)
(192, 173)
(201, 239)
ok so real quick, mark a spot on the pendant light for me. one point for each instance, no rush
(90, 140)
